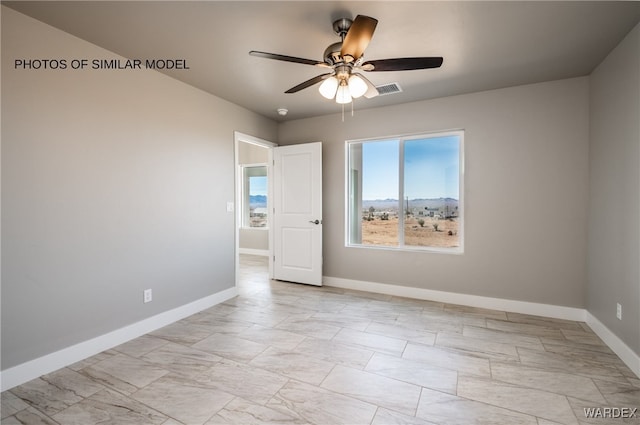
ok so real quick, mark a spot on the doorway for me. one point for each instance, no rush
(253, 160)
(279, 207)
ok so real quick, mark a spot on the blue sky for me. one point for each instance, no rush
(430, 165)
(258, 185)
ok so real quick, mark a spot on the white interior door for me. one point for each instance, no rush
(297, 214)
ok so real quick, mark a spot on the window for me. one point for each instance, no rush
(254, 196)
(406, 192)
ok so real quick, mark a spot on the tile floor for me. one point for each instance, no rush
(283, 353)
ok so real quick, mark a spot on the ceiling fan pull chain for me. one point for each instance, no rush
(352, 108)
(343, 112)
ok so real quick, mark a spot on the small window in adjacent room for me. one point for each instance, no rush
(406, 192)
(254, 196)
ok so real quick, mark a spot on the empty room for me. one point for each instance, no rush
(320, 212)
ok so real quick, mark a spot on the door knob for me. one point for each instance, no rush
(315, 222)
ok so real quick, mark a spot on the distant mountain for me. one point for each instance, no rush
(417, 199)
(435, 199)
(258, 201)
(392, 204)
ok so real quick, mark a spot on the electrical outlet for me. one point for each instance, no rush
(230, 207)
(147, 296)
(619, 311)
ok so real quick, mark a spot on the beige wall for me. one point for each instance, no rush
(526, 174)
(254, 239)
(248, 153)
(614, 189)
(112, 182)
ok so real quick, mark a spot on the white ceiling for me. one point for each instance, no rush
(485, 45)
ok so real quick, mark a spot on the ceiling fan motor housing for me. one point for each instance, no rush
(332, 53)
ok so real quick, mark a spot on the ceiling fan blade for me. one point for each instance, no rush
(358, 37)
(309, 83)
(372, 91)
(402, 64)
(285, 58)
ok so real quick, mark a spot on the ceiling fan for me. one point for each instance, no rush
(345, 59)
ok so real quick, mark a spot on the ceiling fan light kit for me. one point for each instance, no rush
(357, 86)
(346, 58)
(342, 95)
(343, 89)
(329, 87)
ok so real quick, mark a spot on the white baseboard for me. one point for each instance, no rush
(27, 371)
(626, 354)
(251, 251)
(546, 310)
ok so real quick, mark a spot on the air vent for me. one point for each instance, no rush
(390, 88)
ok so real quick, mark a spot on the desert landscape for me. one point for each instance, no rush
(385, 232)
(430, 222)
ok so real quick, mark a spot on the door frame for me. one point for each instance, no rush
(238, 138)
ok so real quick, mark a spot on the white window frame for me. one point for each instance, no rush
(244, 197)
(349, 201)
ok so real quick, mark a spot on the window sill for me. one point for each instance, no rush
(419, 249)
